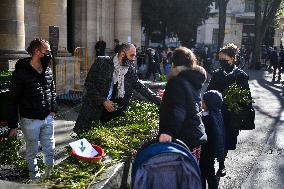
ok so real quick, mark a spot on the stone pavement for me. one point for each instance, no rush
(268, 169)
(258, 161)
(63, 130)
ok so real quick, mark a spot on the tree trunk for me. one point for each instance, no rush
(258, 37)
(222, 22)
(261, 25)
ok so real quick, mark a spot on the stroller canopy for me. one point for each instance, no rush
(165, 165)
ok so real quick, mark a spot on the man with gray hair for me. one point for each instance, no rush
(109, 86)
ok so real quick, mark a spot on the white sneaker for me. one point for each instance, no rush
(35, 177)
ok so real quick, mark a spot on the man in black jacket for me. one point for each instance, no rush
(32, 92)
(111, 82)
(275, 64)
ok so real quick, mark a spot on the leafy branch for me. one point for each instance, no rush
(236, 98)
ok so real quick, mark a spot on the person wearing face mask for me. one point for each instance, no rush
(109, 86)
(226, 75)
(33, 98)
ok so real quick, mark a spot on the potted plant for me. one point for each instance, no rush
(238, 102)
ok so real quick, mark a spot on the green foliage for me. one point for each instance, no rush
(5, 75)
(279, 15)
(118, 137)
(10, 153)
(180, 17)
(73, 174)
(235, 98)
(163, 77)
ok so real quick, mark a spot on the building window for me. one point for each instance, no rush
(249, 6)
(215, 36)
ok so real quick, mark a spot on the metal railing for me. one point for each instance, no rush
(81, 63)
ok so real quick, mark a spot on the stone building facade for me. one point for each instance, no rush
(80, 23)
(239, 27)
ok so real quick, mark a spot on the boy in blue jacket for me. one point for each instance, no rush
(215, 146)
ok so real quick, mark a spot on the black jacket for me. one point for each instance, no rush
(99, 80)
(179, 111)
(31, 93)
(221, 82)
(273, 57)
(214, 147)
(97, 85)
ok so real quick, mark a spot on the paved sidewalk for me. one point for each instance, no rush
(258, 161)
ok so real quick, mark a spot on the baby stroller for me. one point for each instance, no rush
(165, 166)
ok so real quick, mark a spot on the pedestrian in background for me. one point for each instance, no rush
(116, 45)
(221, 80)
(206, 59)
(274, 62)
(179, 111)
(152, 68)
(32, 92)
(100, 47)
(281, 62)
(214, 147)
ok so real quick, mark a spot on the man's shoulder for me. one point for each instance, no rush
(104, 60)
(22, 63)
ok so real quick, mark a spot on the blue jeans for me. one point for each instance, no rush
(38, 130)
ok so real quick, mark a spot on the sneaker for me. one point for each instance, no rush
(35, 177)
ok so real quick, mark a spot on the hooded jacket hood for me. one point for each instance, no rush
(196, 76)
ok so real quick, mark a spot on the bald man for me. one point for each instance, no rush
(109, 86)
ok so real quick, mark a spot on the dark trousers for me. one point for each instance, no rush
(207, 170)
(107, 116)
(278, 67)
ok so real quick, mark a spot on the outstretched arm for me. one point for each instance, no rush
(146, 92)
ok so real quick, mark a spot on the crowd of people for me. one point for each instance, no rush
(273, 58)
(202, 123)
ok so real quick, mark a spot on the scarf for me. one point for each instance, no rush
(118, 76)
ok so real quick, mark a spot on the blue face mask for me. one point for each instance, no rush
(126, 62)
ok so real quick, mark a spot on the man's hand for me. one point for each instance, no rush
(165, 138)
(109, 106)
(13, 133)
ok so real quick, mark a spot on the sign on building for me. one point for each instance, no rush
(54, 39)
